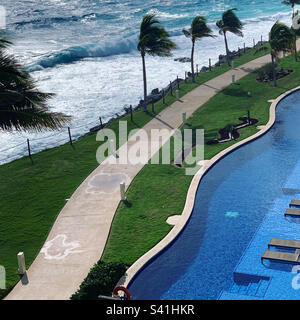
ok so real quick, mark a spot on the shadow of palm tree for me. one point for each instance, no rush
(248, 70)
(165, 123)
(236, 92)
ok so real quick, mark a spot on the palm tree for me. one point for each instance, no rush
(153, 40)
(281, 39)
(22, 105)
(229, 129)
(198, 30)
(291, 3)
(229, 23)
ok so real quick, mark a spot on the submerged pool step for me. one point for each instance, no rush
(250, 285)
(262, 289)
(252, 288)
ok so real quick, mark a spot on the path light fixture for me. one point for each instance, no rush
(184, 117)
(21, 263)
(122, 191)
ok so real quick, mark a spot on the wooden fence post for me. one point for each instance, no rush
(28, 148)
(131, 113)
(70, 137)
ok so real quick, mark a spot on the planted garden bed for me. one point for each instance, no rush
(230, 132)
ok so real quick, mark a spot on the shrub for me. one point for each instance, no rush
(101, 280)
(4, 292)
(266, 72)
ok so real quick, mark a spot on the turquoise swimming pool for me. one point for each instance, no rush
(239, 206)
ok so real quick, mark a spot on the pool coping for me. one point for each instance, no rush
(142, 262)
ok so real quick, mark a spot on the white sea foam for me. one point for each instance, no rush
(97, 75)
(167, 15)
(75, 53)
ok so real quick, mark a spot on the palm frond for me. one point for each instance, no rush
(199, 28)
(4, 43)
(187, 33)
(235, 31)
(231, 20)
(22, 105)
(230, 23)
(291, 2)
(153, 38)
(220, 24)
(31, 119)
(281, 39)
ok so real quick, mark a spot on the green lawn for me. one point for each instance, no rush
(159, 191)
(31, 196)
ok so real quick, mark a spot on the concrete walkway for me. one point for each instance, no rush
(79, 234)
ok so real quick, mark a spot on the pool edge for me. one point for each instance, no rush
(137, 266)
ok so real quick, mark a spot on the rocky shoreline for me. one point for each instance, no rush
(157, 94)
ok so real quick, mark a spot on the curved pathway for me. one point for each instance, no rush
(78, 236)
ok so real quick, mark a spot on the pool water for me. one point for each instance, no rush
(232, 202)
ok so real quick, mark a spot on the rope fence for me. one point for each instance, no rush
(27, 150)
(67, 131)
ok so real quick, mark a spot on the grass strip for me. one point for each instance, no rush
(32, 195)
(159, 191)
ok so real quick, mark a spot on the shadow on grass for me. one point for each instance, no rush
(236, 92)
(136, 124)
(127, 203)
(211, 134)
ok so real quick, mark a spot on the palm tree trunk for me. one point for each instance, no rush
(296, 53)
(274, 71)
(293, 6)
(145, 82)
(192, 60)
(227, 50)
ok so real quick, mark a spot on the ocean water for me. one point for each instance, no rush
(85, 52)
